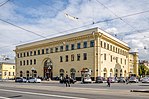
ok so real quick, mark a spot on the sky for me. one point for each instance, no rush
(24, 21)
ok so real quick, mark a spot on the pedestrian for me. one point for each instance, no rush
(67, 81)
(108, 81)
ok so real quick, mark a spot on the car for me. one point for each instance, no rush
(99, 79)
(145, 80)
(20, 79)
(121, 80)
(87, 80)
(72, 80)
(133, 80)
(34, 80)
(113, 79)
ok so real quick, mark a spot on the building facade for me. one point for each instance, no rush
(7, 70)
(133, 63)
(93, 50)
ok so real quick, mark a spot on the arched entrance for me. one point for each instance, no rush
(61, 73)
(111, 72)
(118, 70)
(48, 69)
(72, 73)
(104, 72)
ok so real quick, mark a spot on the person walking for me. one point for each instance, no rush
(108, 81)
(67, 81)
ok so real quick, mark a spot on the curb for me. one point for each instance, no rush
(145, 91)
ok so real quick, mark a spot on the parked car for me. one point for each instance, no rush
(113, 79)
(72, 80)
(20, 79)
(121, 80)
(145, 80)
(34, 80)
(99, 79)
(133, 80)
(87, 80)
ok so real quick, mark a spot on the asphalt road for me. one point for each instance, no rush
(13, 90)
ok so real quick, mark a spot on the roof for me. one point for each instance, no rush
(71, 35)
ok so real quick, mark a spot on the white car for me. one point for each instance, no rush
(34, 80)
(145, 80)
(87, 80)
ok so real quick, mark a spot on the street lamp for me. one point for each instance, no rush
(32, 69)
(49, 65)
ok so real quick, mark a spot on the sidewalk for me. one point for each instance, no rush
(50, 81)
(140, 90)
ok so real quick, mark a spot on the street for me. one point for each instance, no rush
(49, 90)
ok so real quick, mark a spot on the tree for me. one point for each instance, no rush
(143, 70)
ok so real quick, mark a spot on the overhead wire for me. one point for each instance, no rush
(4, 3)
(22, 28)
(97, 22)
(116, 15)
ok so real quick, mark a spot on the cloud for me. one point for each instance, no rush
(47, 18)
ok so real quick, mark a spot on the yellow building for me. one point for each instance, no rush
(93, 50)
(7, 70)
(133, 63)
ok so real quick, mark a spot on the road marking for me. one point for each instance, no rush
(4, 98)
(41, 94)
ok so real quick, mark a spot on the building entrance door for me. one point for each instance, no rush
(48, 69)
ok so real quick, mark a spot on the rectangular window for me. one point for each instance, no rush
(5, 73)
(51, 50)
(20, 54)
(78, 45)
(121, 61)
(72, 46)
(24, 54)
(85, 56)
(67, 47)
(107, 46)
(13, 67)
(61, 48)
(27, 62)
(101, 44)
(78, 57)
(61, 59)
(92, 43)
(34, 52)
(9, 73)
(42, 51)
(20, 63)
(30, 62)
(38, 52)
(47, 51)
(34, 61)
(125, 61)
(110, 47)
(72, 57)
(56, 49)
(13, 73)
(27, 53)
(116, 59)
(104, 44)
(24, 62)
(66, 58)
(113, 49)
(105, 56)
(31, 53)
(85, 44)
(111, 58)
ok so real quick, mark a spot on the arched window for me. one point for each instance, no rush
(21, 74)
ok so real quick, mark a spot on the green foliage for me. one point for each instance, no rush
(143, 70)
